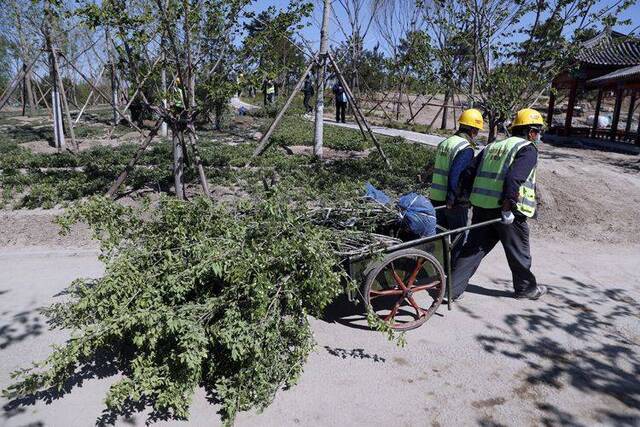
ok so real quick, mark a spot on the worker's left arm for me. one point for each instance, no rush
(524, 162)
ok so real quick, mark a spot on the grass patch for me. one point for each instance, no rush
(31, 180)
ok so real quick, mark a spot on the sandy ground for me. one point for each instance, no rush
(572, 358)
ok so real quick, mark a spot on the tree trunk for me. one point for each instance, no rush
(63, 97)
(492, 128)
(114, 80)
(178, 164)
(28, 96)
(445, 112)
(322, 74)
(399, 101)
(163, 76)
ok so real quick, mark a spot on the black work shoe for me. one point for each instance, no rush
(533, 293)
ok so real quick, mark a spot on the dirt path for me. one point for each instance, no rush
(570, 359)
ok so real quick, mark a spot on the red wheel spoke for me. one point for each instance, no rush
(386, 292)
(394, 311)
(419, 311)
(397, 278)
(426, 286)
(415, 272)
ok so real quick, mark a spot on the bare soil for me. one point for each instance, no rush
(588, 194)
(35, 228)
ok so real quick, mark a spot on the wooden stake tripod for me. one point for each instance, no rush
(263, 144)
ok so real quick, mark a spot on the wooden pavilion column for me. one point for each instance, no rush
(616, 113)
(594, 128)
(552, 105)
(572, 102)
(632, 105)
(638, 131)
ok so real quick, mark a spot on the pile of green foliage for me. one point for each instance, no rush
(194, 294)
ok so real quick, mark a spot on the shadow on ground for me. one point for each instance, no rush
(605, 361)
(22, 325)
(100, 366)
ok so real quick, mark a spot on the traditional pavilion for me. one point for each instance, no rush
(609, 64)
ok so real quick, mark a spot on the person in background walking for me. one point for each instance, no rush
(240, 82)
(308, 92)
(503, 178)
(341, 102)
(453, 156)
(269, 91)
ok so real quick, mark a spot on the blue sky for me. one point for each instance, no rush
(312, 33)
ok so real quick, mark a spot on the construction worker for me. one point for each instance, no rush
(177, 98)
(453, 156)
(269, 91)
(503, 178)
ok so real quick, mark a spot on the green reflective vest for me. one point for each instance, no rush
(177, 97)
(271, 89)
(446, 152)
(489, 182)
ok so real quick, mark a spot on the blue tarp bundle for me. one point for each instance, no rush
(417, 214)
(416, 211)
(373, 193)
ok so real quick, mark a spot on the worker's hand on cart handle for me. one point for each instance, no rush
(507, 217)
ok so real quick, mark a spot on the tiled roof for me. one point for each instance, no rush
(621, 74)
(611, 48)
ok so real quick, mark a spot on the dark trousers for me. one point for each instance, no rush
(515, 241)
(341, 108)
(307, 105)
(451, 219)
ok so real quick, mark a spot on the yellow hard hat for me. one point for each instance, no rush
(472, 118)
(178, 80)
(528, 117)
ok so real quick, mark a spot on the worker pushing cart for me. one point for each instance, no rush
(502, 180)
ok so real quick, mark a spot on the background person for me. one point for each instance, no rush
(341, 102)
(308, 92)
(268, 91)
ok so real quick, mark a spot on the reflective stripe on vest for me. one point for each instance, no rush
(489, 182)
(447, 151)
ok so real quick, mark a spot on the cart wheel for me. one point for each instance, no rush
(405, 288)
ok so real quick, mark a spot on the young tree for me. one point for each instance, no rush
(269, 48)
(395, 21)
(529, 43)
(354, 18)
